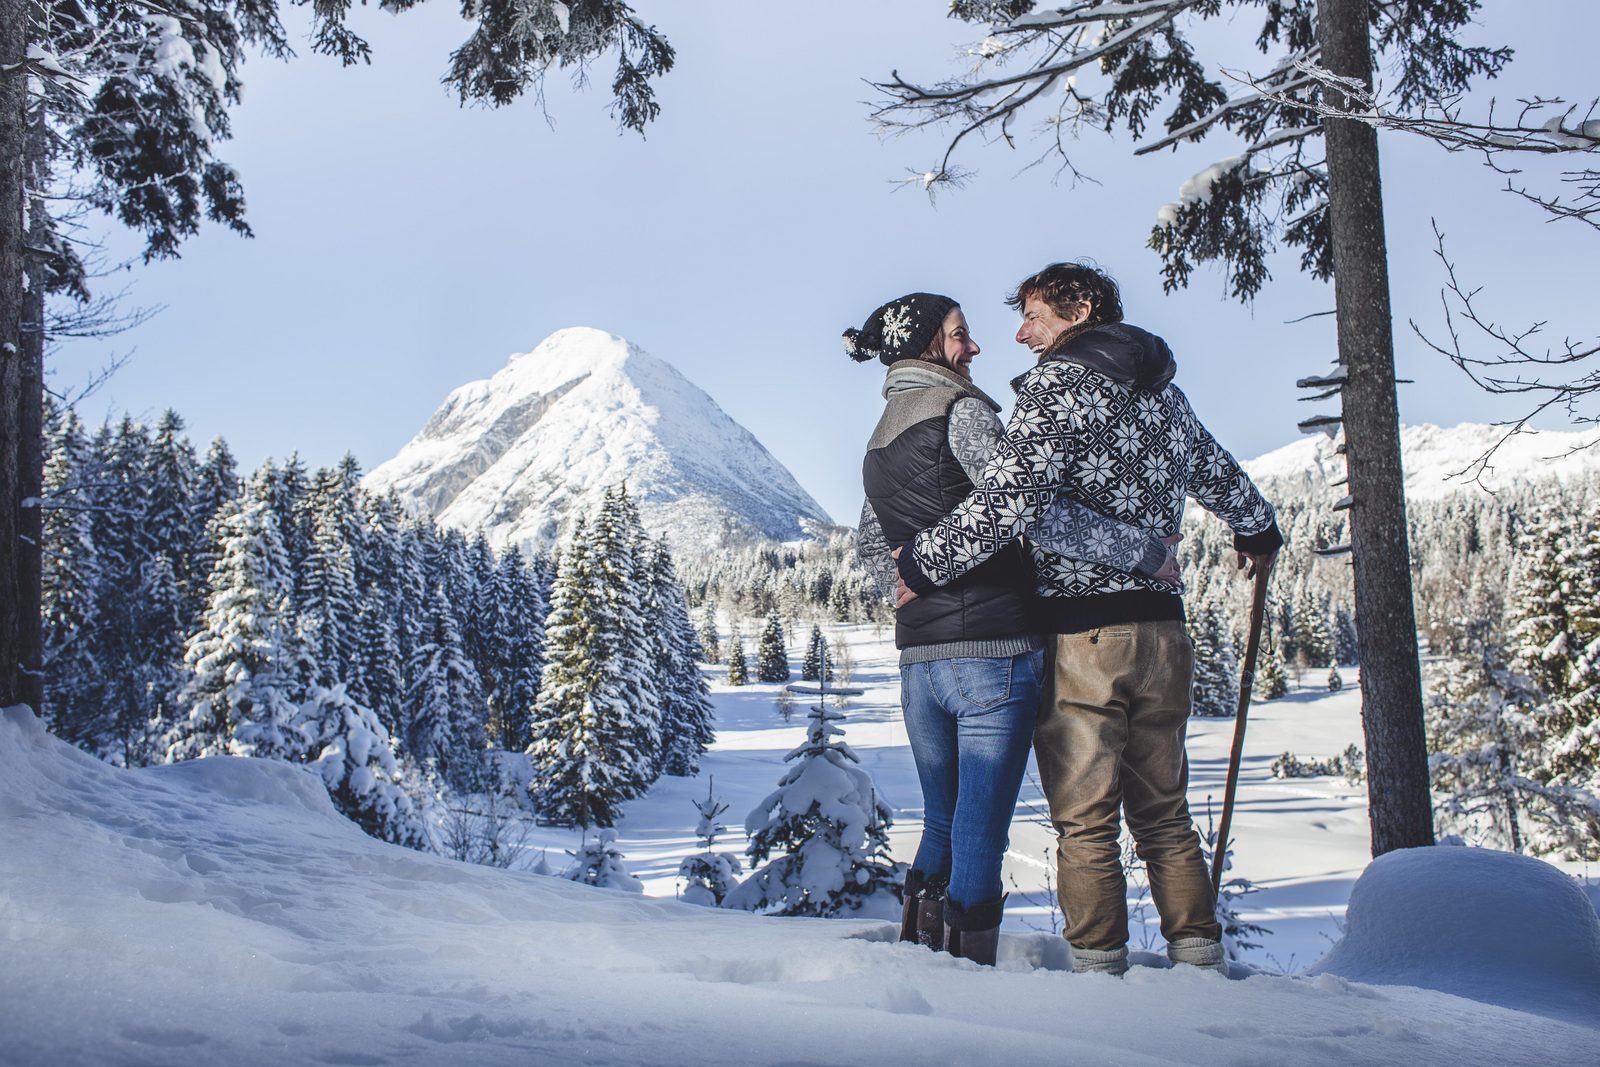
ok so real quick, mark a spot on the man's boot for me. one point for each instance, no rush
(974, 933)
(1199, 952)
(915, 883)
(930, 914)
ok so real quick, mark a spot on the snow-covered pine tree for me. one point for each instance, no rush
(446, 713)
(584, 764)
(1570, 719)
(598, 862)
(1540, 636)
(817, 658)
(1315, 646)
(772, 658)
(833, 827)
(1344, 637)
(359, 764)
(524, 650)
(239, 700)
(378, 671)
(1216, 666)
(620, 564)
(1272, 679)
(327, 599)
(71, 577)
(172, 472)
(710, 874)
(738, 666)
(710, 643)
(1480, 721)
(686, 712)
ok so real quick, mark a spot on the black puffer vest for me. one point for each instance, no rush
(912, 479)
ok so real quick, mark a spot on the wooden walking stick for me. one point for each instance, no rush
(1247, 681)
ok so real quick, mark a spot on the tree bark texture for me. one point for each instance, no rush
(1400, 806)
(13, 136)
(30, 437)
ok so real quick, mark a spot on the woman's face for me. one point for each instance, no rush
(954, 347)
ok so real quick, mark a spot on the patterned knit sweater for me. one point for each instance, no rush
(1104, 430)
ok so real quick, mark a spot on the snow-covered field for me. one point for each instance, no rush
(221, 911)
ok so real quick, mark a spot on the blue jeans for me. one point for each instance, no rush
(970, 722)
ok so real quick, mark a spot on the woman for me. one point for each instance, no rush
(970, 669)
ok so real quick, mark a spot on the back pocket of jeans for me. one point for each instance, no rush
(983, 682)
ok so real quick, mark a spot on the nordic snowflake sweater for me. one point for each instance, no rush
(937, 434)
(1097, 421)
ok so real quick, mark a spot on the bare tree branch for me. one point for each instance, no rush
(1518, 366)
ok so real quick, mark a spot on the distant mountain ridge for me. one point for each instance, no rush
(523, 453)
(1432, 456)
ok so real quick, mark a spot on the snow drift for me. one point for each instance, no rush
(221, 911)
(523, 453)
(1488, 925)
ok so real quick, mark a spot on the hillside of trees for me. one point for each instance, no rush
(293, 615)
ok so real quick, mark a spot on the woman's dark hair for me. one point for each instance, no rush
(1068, 286)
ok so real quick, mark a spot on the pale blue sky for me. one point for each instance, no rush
(405, 245)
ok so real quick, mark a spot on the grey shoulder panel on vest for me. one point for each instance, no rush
(907, 409)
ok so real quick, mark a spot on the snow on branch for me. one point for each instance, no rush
(1575, 129)
(995, 103)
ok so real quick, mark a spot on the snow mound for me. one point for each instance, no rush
(1492, 926)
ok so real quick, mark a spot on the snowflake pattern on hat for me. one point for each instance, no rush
(897, 325)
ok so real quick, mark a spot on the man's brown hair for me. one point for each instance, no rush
(1068, 286)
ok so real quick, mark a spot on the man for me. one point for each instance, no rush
(1098, 420)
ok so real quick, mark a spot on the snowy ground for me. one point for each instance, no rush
(221, 912)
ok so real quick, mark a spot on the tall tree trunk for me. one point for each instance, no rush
(1400, 807)
(13, 96)
(30, 438)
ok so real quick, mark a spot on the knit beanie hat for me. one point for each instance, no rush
(900, 329)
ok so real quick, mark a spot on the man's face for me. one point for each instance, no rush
(956, 344)
(1041, 325)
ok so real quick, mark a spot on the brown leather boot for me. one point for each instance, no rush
(974, 933)
(915, 882)
(930, 915)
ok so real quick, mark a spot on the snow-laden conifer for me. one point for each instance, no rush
(710, 642)
(358, 762)
(619, 563)
(1272, 679)
(445, 702)
(772, 658)
(686, 712)
(816, 662)
(598, 862)
(240, 700)
(1216, 666)
(738, 666)
(710, 875)
(831, 824)
(584, 763)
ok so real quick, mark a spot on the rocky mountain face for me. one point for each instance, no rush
(522, 454)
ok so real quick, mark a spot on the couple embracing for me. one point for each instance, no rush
(1039, 604)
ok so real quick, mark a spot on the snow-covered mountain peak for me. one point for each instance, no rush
(522, 453)
(1434, 456)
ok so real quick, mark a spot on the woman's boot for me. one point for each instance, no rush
(915, 882)
(974, 933)
(930, 914)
